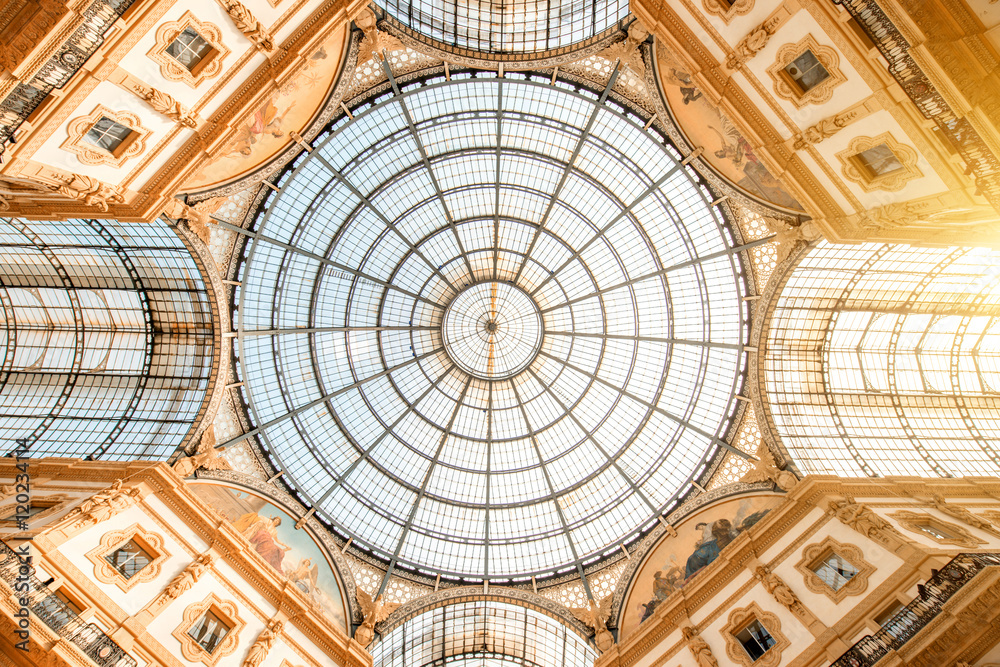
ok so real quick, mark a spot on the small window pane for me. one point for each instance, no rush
(756, 640)
(74, 607)
(834, 571)
(807, 71)
(209, 631)
(936, 531)
(189, 49)
(32, 511)
(107, 134)
(129, 559)
(888, 613)
(880, 160)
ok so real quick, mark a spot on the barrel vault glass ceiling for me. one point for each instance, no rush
(491, 328)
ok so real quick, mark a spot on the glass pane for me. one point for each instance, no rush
(189, 48)
(807, 71)
(835, 571)
(129, 559)
(107, 134)
(880, 160)
(755, 639)
(209, 631)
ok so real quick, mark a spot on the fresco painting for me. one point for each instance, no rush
(271, 532)
(676, 560)
(706, 125)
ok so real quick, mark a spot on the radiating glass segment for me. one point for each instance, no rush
(885, 360)
(519, 26)
(603, 402)
(482, 634)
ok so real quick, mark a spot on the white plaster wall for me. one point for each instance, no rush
(76, 548)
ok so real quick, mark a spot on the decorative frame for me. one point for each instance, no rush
(225, 610)
(53, 504)
(814, 553)
(172, 70)
(88, 153)
(739, 619)
(821, 92)
(725, 10)
(150, 541)
(854, 171)
(912, 521)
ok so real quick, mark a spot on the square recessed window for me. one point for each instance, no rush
(70, 603)
(209, 631)
(129, 559)
(937, 532)
(190, 49)
(755, 639)
(806, 71)
(879, 160)
(33, 509)
(834, 571)
(109, 135)
(887, 613)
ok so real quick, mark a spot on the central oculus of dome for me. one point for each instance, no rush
(492, 330)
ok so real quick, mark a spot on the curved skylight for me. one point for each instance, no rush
(520, 26)
(885, 360)
(491, 360)
(482, 633)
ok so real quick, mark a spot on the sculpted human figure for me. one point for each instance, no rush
(699, 648)
(860, 518)
(962, 514)
(264, 642)
(778, 588)
(186, 579)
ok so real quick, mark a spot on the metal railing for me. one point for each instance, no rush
(15, 108)
(56, 614)
(984, 165)
(912, 618)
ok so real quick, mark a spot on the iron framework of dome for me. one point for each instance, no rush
(445, 216)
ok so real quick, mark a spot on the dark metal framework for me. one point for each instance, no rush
(107, 338)
(440, 184)
(885, 360)
(915, 616)
(522, 26)
(94, 642)
(482, 633)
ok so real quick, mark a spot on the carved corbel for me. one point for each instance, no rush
(248, 24)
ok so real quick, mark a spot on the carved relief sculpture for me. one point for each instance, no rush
(207, 456)
(168, 106)
(788, 239)
(374, 611)
(188, 577)
(813, 554)
(627, 52)
(104, 504)
(699, 648)
(89, 153)
(822, 130)
(750, 45)
(862, 519)
(170, 68)
(90, 191)
(726, 10)
(820, 93)
(778, 589)
(595, 616)
(375, 41)
(248, 24)
(767, 470)
(264, 642)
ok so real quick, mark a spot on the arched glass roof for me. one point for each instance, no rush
(885, 360)
(482, 633)
(521, 26)
(480, 338)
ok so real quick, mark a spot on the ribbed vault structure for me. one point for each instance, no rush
(482, 633)
(522, 26)
(107, 338)
(482, 339)
(885, 360)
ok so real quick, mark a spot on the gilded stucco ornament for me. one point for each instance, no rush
(627, 52)
(207, 457)
(595, 616)
(751, 45)
(823, 130)
(169, 107)
(765, 469)
(788, 237)
(188, 577)
(778, 589)
(90, 191)
(862, 519)
(105, 504)
(374, 611)
(265, 641)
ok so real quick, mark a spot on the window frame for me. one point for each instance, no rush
(172, 69)
(788, 89)
(227, 612)
(92, 154)
(150, 542)
(741, 619)
(856, 171)
(814, 554)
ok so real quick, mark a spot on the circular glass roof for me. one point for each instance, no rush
(481, 338)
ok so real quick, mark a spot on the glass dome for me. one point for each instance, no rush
(482, 340)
